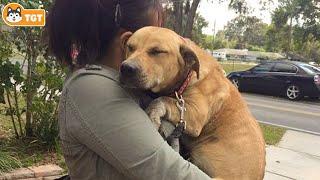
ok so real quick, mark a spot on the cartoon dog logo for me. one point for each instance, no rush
(14, 15)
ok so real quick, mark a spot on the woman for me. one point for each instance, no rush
(104, 133)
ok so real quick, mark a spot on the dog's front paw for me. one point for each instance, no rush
(156, 110)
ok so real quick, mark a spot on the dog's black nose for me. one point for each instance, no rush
(128, 69)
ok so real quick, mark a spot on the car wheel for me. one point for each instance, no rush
(235, 81)
(293, 92)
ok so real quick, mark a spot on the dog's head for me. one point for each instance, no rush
(157, 58)
(14, 15)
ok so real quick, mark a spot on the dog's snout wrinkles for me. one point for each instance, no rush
(129, 69)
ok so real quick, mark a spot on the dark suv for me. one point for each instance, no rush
(292, 79)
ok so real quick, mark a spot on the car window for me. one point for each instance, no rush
(310, 69)
(284, 68)
(263, 67)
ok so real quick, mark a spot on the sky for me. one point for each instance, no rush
(221, 14)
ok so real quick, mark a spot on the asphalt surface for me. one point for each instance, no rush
(302, 115)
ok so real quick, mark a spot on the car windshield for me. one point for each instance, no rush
(310, 69)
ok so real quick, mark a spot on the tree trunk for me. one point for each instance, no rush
(191, 17)
(29, 97)
(32, 56)
(178, 15)
(18, 114)
(11, 115)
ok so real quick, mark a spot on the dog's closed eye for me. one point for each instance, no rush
(157, 51)
(130, 48)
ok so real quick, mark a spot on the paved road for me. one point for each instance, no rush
(304, 115)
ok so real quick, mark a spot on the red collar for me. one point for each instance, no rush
(184, 85)
(179, 91)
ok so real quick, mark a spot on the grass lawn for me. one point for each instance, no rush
(28, 152)
(15, 153)
(230, 67)
(272, 134)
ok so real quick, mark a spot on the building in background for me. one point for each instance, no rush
(245, 55)
(221, 56)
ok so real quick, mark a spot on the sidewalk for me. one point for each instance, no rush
(297, 156)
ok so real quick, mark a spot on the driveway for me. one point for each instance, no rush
(302, 115)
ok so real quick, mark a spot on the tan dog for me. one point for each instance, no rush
(225, 140)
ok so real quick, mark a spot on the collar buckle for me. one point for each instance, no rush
(181, 106)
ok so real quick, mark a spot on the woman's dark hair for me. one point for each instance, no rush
(90, 26)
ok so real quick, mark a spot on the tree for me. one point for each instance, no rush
(248, 31)
(220, 41)
(28, 41)
(199, 25)
(191, 17)
(295, 29)
(181, 14)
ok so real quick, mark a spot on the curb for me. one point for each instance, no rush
(47, 172)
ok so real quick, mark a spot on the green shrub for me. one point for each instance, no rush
(45, 102)
(8, 163)
(45, 123)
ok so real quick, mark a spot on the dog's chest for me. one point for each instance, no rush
(140, 97)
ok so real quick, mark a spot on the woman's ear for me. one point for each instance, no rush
(124, 39)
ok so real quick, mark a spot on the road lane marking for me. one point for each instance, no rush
(285, 109)
(289, 128)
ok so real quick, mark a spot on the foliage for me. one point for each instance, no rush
(27, 40)
(310, 48)
(5, 54)
(221, 41)
(32, 96)
(197, 35)
(8, 163)
(242, 32)
(29, 152)
(11, 78)
(295, 29)
(47, 81)
(45, 103)
(246, 30)
(181, 15)
(240, 6)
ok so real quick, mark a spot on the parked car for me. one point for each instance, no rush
(289, 78)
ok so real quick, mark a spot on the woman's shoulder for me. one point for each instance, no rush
(94, 83)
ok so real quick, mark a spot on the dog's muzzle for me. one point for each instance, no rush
(129, 70)
(130, 75)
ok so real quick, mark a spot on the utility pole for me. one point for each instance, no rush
(214, 33)
(214, 28)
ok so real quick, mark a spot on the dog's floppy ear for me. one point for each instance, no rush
(124, 39)
(190, 59)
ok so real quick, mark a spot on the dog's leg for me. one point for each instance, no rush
(196, 115)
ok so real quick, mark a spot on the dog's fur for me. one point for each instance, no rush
(224, 139)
